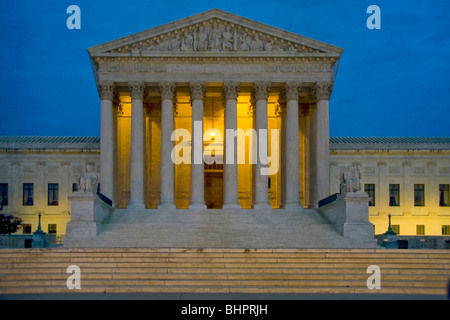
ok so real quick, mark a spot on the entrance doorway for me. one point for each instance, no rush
(213, 144)
(214, 186)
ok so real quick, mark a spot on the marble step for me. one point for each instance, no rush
(224, 270)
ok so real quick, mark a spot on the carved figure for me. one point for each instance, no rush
(268, 46)
(88, 180)
(256, 44)
(202, 39)
(187, 43)
(214, 39)
(228, 40)
(174, 44)
(351, 180)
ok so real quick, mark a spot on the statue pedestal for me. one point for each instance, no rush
(88, 212)
(350, 216)
(355, 223)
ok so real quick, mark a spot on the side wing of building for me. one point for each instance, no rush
(37, 174)
(408, 178)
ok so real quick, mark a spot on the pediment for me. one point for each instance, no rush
(214, 33)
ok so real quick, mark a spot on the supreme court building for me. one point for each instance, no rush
(177, 89)
(226, 72)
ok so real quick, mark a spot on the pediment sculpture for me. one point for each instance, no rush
(214, 36)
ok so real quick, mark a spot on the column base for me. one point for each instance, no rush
(262, 205)
(293, 205)
(198, 205)
(231, 205)
(166, 205)
(136, 204)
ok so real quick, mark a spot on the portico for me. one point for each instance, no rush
(208, 73)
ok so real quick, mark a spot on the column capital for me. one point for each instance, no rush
(106, 90)
(322, 90)
(407, 163)
(431, 163)
(167, 90)
(197, 90)
(381, 163)
(231, 90)
(292, 90)
(261, 90)
(137, 89)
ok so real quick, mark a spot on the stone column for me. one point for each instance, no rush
(40, 194)
(15, 194)
(197, 174)
(106, 91)
(167, 90)
(65, 186)
(137, 153)
(382, 189)
(230, 174)
(321, 144)
(261, 193)
(292, 146)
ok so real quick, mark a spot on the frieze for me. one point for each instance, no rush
(230, 68)
(369, 170)
(394, 170)
(419, 170)
(444, 170)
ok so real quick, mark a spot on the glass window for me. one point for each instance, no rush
(51, 228)
(370, 190)
(52, 194)
(394, 195)
(26, 229)
(396, 228)
(3, 194)
(419, 195)
(446, 230)
(28, 189)
(443, 195)
(420, 230)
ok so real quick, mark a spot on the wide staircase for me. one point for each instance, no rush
(215, 270)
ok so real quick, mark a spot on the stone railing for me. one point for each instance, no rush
(419, 242)
(26, 240)
(14, 241)
(329, 199)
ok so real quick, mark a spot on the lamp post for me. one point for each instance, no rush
(390, 237)
(38, 235)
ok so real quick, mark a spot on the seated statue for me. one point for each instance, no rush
(88, 180)
(351, 180)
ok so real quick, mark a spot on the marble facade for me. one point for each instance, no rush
(225, 72)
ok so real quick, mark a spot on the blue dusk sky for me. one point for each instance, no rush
(391, 82)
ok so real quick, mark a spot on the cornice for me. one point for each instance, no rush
(243, 58)
(172, 36)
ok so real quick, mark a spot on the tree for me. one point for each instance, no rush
(9, 224)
